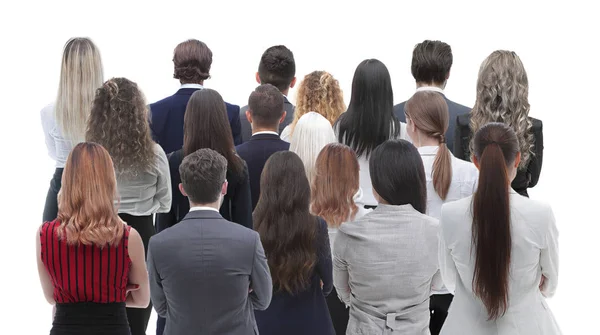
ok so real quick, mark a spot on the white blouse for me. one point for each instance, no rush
(58, 147)
(358, 200)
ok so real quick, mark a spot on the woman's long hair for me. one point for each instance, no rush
(205, 125)
(335, 184)
(287, 230)
(86, 209)
(369, 120)
(502, 96)
(119, 122)
(496, 147)
(80, 75)
(429, 112)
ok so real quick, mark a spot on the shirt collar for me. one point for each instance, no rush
(203, 208)
(266, 132)
(430, 88)
(196, 86)
(428, 150)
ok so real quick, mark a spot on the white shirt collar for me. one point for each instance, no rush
(197, 86)
(203, 208)
(266, 132)
(430, 88)
(428, 150)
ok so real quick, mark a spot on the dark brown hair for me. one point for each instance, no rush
(431, 62)
(287, 230)
(205, 125)
(429, 112)
(496, 147)
(192, 60)
(266, 106)
(277, 67)
(202, 175)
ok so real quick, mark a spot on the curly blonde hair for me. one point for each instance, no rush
(502, 91)
(319, 92)
(119, 122)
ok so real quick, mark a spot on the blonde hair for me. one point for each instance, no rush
(80, 75)
(319, 92)
(502, 91)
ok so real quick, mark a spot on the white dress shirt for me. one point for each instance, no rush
(58, 147)
(196, 86)
(265, 132)
(430, 88)
(203, 208)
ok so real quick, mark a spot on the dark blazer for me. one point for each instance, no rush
(526, 178)
(305, 312)
(247, 129)
(166, 120)
(256, 152)
(454, 110)
(200, 273)
(236, 205)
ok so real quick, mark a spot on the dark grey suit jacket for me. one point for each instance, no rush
(201, 271)
(247, 129)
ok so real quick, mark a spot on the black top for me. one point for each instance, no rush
(526, 177)
(236, 205)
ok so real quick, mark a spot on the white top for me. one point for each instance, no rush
(534, 253)
(358, 197)
(148, 192)
(286, 134)
(58, 147)
(203, 208)
(265, 132)
(430, 88)
(196, 86)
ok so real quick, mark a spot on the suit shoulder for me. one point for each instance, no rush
(232, 107)
(162, 103)
(399, 107)
(536, 123)
(458, 108)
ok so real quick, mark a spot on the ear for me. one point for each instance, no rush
(257, 78)
(182, 190)
(224, 188)
(476, 162)
(293, 83)
(448, 75)
(518, 159)
(283, 117)
(249, 116)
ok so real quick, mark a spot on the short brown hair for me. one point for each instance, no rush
(266, 105)
(192, 60)
(431, 62)
(202, 175)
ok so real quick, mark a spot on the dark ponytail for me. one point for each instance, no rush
(496, 147)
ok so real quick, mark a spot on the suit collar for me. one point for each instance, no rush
(202, 214)
(264, 137)
(285, 100)
(186, 91)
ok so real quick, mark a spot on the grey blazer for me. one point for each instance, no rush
(247, 129)
(201, 271)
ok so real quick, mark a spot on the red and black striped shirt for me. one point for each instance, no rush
(85, 273)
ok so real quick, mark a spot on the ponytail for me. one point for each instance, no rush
(442, 170)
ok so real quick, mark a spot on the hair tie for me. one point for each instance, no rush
(442, 139)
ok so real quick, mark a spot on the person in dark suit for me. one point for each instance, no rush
(297, 249)
(431, 63)
(265, 113)
(502, 96)
(192, 60)
(207, 274)
(278, 68)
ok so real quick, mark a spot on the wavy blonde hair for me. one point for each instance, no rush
(319, 92)
(86, 209)
(502, 96)
(80, 75)
(119, 122)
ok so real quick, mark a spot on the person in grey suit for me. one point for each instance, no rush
(207, 274)
(431, 63)
(278, 68)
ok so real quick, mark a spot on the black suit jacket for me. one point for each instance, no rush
(454, 110)
(525, 178)
(256, 152)
(247, 129)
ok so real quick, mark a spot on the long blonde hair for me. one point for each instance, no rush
(80, 75)
(502, 96)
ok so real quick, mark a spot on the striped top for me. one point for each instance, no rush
(85, 273)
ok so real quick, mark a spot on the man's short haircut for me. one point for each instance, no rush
(192, 60)
(431, 62)
(266, 105)
(202, 175)
(277, 67)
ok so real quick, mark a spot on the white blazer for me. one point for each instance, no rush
(534, 253)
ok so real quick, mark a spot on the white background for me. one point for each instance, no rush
(557, 42)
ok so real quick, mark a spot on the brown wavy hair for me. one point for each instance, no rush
(335, 184)
(86, 209)
(287, 230)
(119, 122)
(319, 92)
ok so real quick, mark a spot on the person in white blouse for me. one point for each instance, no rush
(498, 250)
(119, 122)
(64, 121)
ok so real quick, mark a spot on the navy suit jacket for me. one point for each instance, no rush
(256, 152)
(454, 110)
(166, 120)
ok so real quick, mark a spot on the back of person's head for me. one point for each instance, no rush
(287, 230)
(502, 96)
(205, 125)
(192, 60)
(265, 106)
(427, 111)
(119, 122)
(312, 133)
(335, 184)
(431, 62)
(203, 175)
(86, 209)
(496, 154)
(277, 67)
(319, 92)
(398, 175)
(80, 75)
(369, 120)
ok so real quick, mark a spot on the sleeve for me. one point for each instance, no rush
(462, 135)
(163, 193)
(261, 284)
(447, 267)
(236, 127)
(340, 269)
(241, 202)
(549, 258)
(48, 124)
(169, 219)
(157, 295)
(534, 168)
(324, 263)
